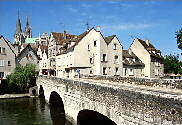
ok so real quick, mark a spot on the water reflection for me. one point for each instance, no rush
(30, 111)
(57, 115)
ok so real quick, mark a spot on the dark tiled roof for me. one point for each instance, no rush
(127, 55)
(150, 48)
(60, 39)
(27, 46)
(109, 39)
(131, 59)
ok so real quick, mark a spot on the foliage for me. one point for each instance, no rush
(179, 38)
(22, 79)
(172, 64)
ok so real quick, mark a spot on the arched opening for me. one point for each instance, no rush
(57, 109)
(34, 92)
(89, 117)
(41, 92)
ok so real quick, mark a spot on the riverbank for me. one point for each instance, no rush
(9, 96)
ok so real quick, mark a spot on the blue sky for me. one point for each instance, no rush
(156, 20)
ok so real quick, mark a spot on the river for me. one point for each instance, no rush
(30, 111)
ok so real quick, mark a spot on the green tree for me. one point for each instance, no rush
(179, 38)
(172, 64)
(22, 79)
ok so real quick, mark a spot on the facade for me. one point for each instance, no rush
(58, 42)
(150, 56)
(43, 64)
(27, 56)
(43, 39)
(7, 58)
(132, 65)
(20, 36)
(90, 54)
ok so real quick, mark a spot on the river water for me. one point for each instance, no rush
(30, 111)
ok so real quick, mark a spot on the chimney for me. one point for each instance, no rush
(129, 51)
(98, 28)
(147, 42)
(64, 34)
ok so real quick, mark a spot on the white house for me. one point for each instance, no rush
(7, 58)
(150, 56)
(90, 54)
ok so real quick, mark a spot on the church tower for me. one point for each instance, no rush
(18, 36)
(27, 32)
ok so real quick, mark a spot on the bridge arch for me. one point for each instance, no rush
(90, 117)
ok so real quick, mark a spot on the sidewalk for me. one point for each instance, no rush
(156, 91)
(8, 96)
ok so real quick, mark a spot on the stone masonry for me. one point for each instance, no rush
(123, 105)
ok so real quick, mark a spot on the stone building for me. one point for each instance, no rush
(43, 39)
(132, 65)
(7, 58)
(150, 56)
(28, 56)
(57, 43)
(90, 54)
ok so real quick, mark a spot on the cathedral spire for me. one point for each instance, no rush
(27, 24)
(18, 26)
(27, 32)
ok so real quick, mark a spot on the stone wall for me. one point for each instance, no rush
(123, 106)
(164, 83)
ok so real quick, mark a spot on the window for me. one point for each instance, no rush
(91, 60)
(91, 72)
(9, 63)
(131, 72)
(95, 43)
(104, 58)
(0, 49)
(1, 74)
(116, 71)
(104, 71)
(116, 60)
(115, 46)
(88, 48)
(4, 50)
(1, 62)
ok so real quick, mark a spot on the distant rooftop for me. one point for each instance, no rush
(30, 40)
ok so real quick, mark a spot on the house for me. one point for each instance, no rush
(57, 43)
(27, 56)
(43, 63)
(132, 65)
(90, 54)
(150, 56)
(7, 58)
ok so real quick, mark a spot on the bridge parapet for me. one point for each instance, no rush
(121, 104)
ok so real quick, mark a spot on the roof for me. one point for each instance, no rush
(60, 38)
(109, 38)
(131, 59)
(27, 46)
(76, 39)
(10, 46)
(35, 47)
(127, 55)
(30, 40)
(150, 48)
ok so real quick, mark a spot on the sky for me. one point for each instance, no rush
(156, 20)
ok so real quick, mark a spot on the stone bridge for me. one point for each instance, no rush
(122, 105)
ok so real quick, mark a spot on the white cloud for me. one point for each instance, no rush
(127, 26)
(71, 9)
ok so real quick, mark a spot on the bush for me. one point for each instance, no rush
(22, 79)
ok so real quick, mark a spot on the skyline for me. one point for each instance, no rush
(154, 20)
